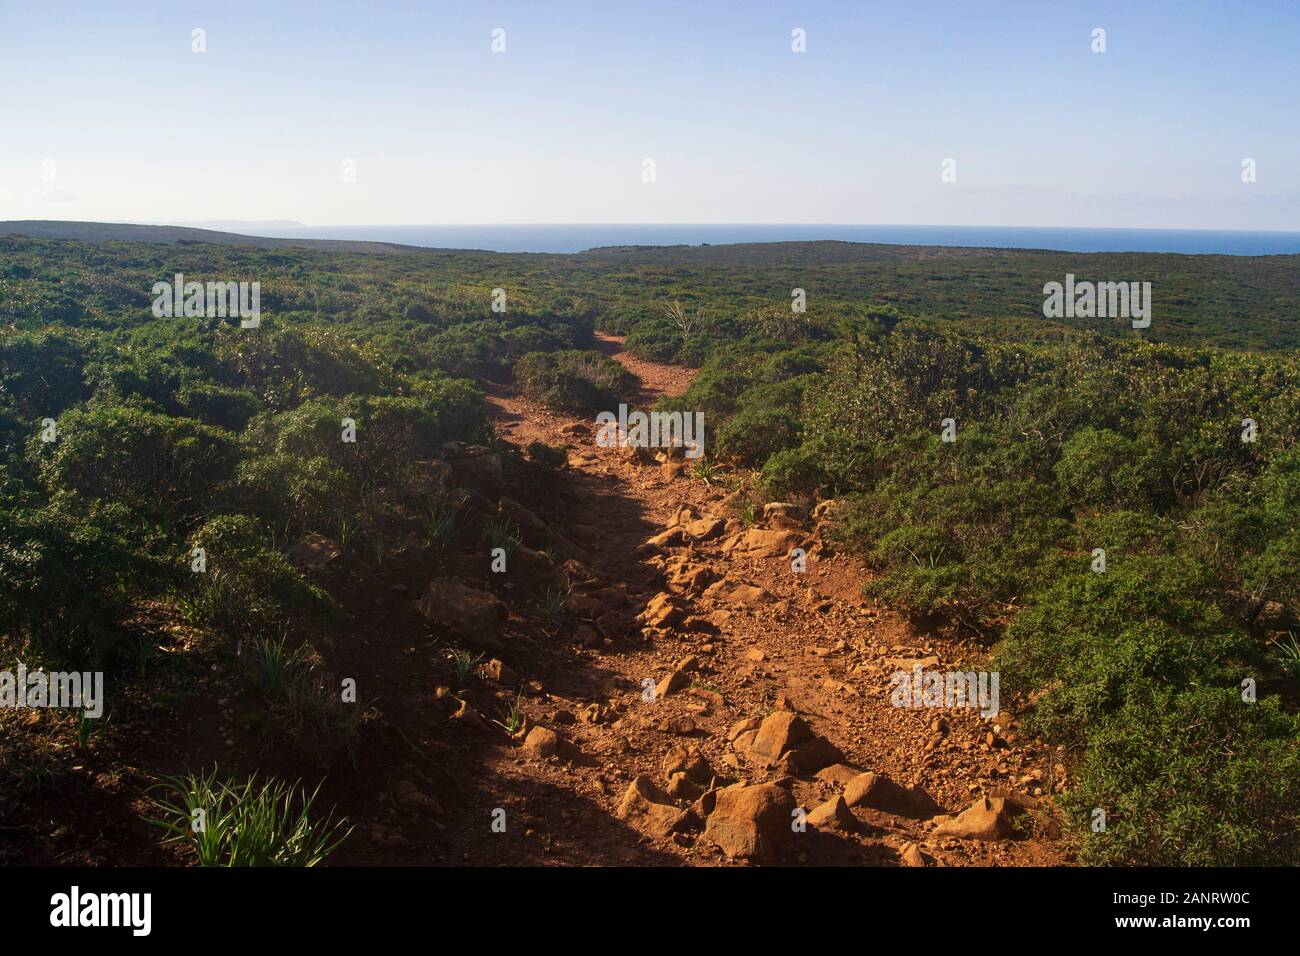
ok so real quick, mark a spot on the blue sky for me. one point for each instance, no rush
(106, 113)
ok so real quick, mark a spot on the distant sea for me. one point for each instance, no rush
(576, 238)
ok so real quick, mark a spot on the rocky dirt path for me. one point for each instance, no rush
(698, 701)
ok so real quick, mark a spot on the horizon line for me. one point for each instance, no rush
(294, 223)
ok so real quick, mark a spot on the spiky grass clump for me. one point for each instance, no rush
(247, 824)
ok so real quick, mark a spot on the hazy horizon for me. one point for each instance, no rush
(568, 238)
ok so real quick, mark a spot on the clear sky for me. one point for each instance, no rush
(1043, 130)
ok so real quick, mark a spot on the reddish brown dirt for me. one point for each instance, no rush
(819, 649)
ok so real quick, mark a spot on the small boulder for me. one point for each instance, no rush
(834, 814)
(781, 515)
(467, 612)
(691, 578)
(663, 610)
(677, 680)
(838, 773)
(762, 543)
(672, 538)
(751, 822)
(813, 755)
(878, 792)
(479, 469)
(779, 732)
(651, 810)
(688, 761)
(542, 743)
(637, 455)
(704, 529)
(909, 854)
(683, 787)
(672, 469)
(988, 818)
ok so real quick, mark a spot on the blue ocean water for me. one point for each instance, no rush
(576, 238)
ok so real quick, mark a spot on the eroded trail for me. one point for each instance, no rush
(763, 675)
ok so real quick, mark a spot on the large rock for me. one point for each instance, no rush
(783, 516)
(467, 612)
(689, 577)
(536, 533)
(747, 725)
(535, 568)
(637, 455)
(663, 610)
(779, 732)
(651, 810)
(838, 773)
(704, 529)
(834, 814)
(988, 818)
(677, 680)
(909, 854)
(878, 792)
(480, 469)
(762, 543)
(672, 470)
(544, 743)
(812, 755)
(688, 761)
(751, 822)
(683, 515)
(672, 538)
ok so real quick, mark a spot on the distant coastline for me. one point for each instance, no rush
(579, 237)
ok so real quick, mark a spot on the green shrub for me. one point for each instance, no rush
(68, 575)
(754, 435)
(247, 589)
(573, 380)
(1190, 778)
(794, 472)
(152, 463)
